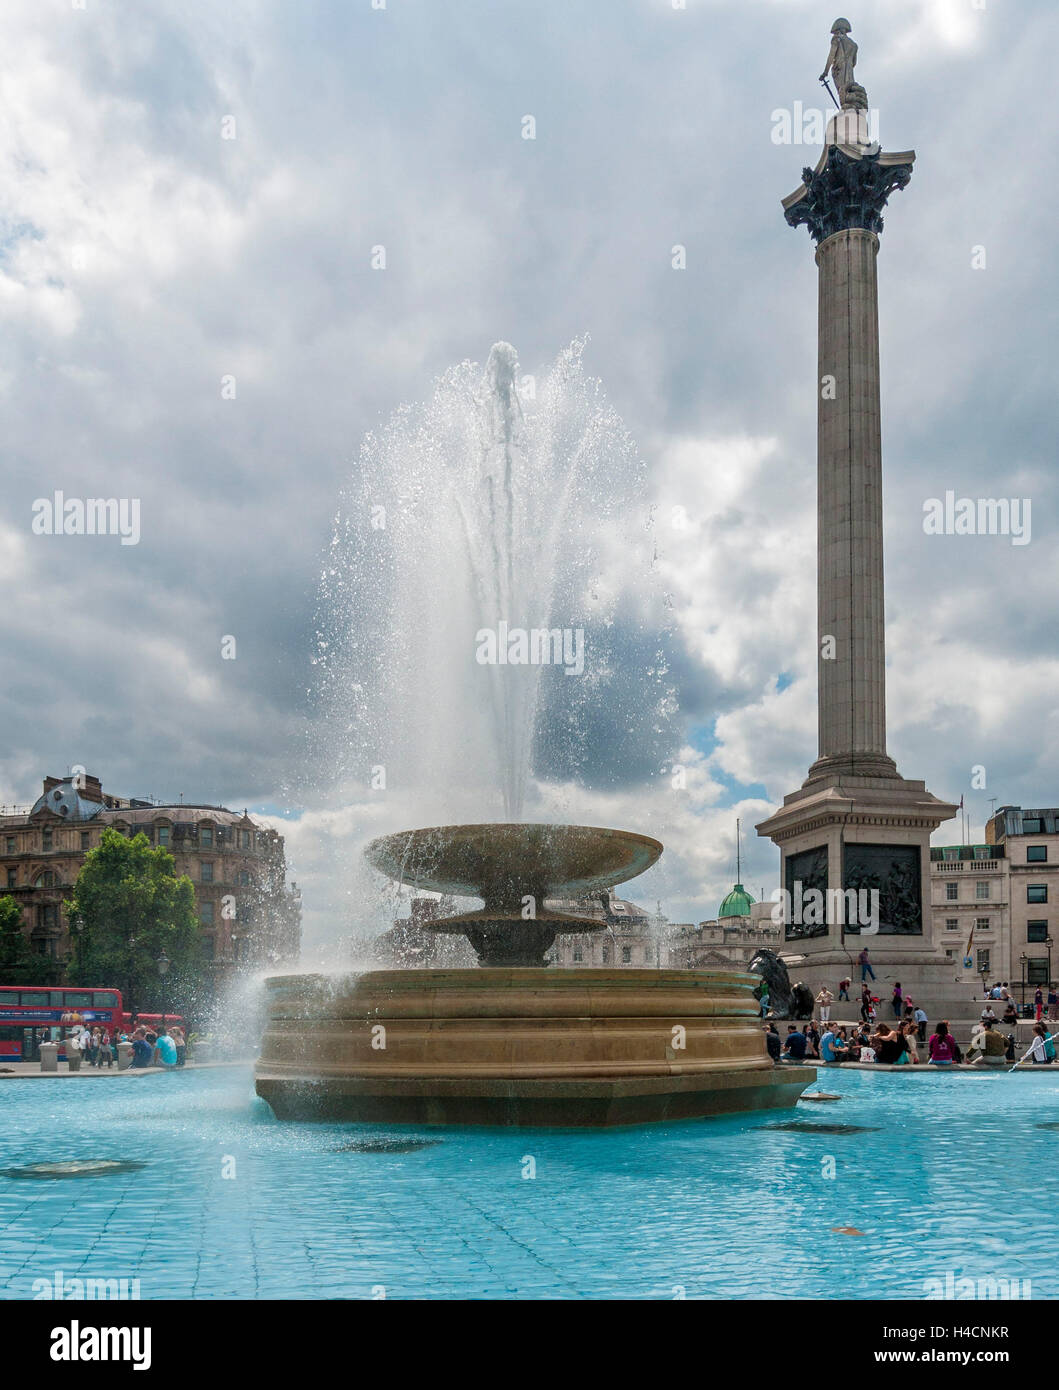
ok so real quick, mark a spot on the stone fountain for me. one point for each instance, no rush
(495, 499)
(513, 1042)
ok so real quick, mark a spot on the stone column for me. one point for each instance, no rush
(852, 657)
(855, 824)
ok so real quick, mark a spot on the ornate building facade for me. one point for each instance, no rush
(740, 929)
(248, 914)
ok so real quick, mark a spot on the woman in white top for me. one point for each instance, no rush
(1038, 1051)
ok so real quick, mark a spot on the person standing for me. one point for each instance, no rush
(764, 1001)
(1038, 1003)
(920, 1020)
(825, 999)
(1053, 1002)
(865, 965)
(865, 1003)
(772, 1042)
(897, 1000)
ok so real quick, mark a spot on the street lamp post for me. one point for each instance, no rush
(163, 969)
(1022, 961)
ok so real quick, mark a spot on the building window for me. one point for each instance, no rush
(207, 871)
(243, 878)
(45, 880)
(244, 839)
(207, 947)
(1037, 893)
(1031, 825)
(163, 834)
(983, 960)
(1037, 971)
(579, 955)
(11, 844)
(86, 839)
(206, 835)
(949, 855)
(47, 916)
(606, 955)
(1037, 931)
(626, 955)
(206, 914)
(981, 924)
(12, 878)
(1036, 854)
(46, 839)
(981, 888)
(952, 924)
(982, 852)
(952, 892)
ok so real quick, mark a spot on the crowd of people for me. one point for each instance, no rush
(151, 1046)
(899, 1045)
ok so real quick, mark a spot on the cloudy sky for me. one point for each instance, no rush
(191, 195)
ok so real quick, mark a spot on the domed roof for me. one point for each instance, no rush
(66, 801)
(737, 904)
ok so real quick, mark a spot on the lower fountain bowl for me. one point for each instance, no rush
(519, 1047)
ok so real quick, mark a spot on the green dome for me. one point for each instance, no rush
(737, 904)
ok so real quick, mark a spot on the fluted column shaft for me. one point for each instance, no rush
(850, 610)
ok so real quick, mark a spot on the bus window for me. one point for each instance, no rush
(33, 996)
(56, 1000)
(106, 999)
(77, 998)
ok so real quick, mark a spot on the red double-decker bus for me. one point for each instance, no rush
(30, 1016)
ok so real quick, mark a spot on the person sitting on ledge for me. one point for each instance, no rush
(987, 1015)
(1042, 1048)
(772, 1042)
(794, 1048)
(909, 1031)
(991, 1046)
(942, 1047)
(1011, 1014)
(888, 1046)
(141, 1049)
(832, 1047)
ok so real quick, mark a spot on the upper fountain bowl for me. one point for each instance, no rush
(498, 862)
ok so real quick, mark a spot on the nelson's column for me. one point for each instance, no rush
(855, 823)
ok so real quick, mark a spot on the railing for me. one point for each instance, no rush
(974, 866)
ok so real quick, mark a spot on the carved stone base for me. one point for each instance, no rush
(519, 1047)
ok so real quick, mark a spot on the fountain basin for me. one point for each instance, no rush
(519, 1047)
(515, 868)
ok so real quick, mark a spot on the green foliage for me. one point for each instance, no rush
(133, 908)
(19, 963)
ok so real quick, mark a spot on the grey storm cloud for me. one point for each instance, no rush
(143, 258)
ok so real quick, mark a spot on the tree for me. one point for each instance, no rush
(19, 963)
(129, 908)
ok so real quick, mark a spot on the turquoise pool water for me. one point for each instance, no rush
(954, 1178)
